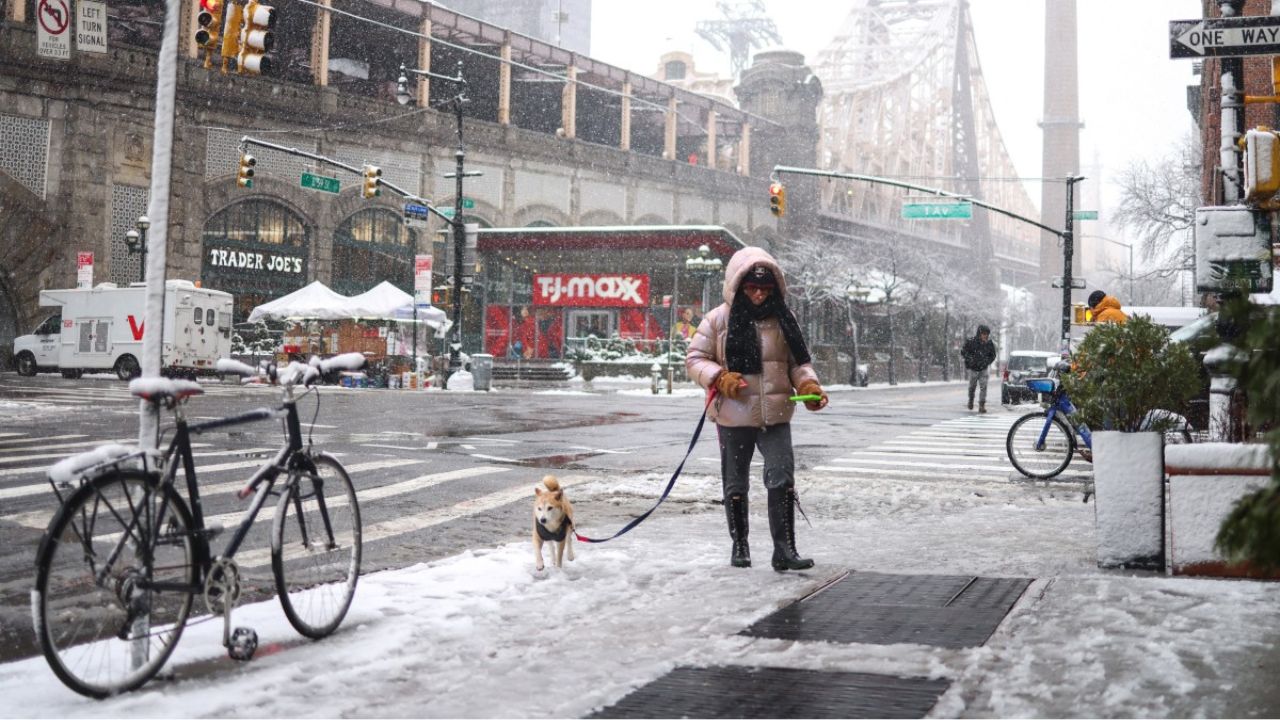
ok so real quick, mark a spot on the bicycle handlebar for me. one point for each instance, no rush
(295, 372)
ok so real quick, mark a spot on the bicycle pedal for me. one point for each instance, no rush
(243, 644)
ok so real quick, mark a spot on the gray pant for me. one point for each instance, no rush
(978, 378)
(738, 446)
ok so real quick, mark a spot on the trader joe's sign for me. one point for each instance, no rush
(582, 290)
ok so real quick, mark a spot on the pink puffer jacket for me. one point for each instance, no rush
(764, 400)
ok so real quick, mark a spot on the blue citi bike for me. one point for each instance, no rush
(1041, 444)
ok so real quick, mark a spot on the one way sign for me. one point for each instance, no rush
(1224, 37)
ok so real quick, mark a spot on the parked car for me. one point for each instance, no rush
(1022, 366)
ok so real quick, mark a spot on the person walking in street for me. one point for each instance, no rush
(751, 351)
(1105, 308)
(978, 354)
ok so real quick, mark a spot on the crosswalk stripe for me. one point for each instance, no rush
(936, 473)
(400, 525)
(7, 472)
(9, 457)
(39, 519)
(7, 443)
(931, 452)
(7, 434)
(37, 488)
(908, 463)
(947, 442)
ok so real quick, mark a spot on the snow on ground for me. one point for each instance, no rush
(481, 634)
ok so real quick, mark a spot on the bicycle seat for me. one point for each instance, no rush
(162, 390)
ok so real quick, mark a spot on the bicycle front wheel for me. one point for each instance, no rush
(315, 547)
(114, 581)
(1034, 458)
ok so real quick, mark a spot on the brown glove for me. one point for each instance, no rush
(730, 384)
(812, 388)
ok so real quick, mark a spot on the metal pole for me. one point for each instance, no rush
(413, 285)
(946, 338)
(1232, 118)
(1068, 251)
(142, 243)
(459, 240)
(1131, 299)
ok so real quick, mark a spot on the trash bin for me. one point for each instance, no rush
(482, 371)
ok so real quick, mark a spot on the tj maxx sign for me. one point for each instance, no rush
(591, 290)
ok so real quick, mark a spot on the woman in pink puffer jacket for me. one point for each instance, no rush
(751, 351)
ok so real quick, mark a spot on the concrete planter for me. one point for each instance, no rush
(1205, 483)
(1128, 474)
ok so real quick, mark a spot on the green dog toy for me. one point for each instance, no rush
(805, 398)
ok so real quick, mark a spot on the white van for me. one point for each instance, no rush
(101, 329)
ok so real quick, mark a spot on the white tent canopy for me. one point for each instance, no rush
(318, 302)
(313, 302)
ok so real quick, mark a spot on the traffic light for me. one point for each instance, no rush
(245, 176)
(1262, 168)
(370, 187)
(256, 39)
(210, 21)
(777, 199)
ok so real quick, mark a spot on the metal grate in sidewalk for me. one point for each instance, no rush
(747, 692)
(881, 609)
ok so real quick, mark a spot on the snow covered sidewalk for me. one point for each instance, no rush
(481, 634)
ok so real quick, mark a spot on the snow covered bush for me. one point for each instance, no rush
(1124, 371)
(1252, 531)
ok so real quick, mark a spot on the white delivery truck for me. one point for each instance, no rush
(101, 329)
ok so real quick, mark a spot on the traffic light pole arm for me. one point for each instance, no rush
(778, 169)
(246, 140)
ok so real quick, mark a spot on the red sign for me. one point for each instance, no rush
(586, 290)
(83, 258)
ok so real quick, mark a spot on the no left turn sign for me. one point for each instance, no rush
(53, 21)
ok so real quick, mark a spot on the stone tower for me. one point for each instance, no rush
(781, 88)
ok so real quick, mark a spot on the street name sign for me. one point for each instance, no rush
(416, 215)
(446, 211)
(311, 181)
(1085, 215)
(937, 210)
(1224, 37)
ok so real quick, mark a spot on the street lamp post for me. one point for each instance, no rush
(135, 241)
(856, 297)
(455, 223)
(706, 267)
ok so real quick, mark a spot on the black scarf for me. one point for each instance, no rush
(742, 345)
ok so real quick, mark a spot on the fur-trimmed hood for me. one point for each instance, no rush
(742, 262)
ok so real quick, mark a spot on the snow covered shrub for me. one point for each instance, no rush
(1252, 531)
(1124, 371)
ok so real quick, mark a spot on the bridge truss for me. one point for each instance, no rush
(905, 99)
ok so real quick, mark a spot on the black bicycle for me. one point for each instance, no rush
(125, 556)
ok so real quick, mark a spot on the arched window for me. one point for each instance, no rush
(256, 250)
(371, 246)
(675, 70)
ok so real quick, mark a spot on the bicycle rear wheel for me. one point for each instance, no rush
(1029, 456)
(315, 547)
(114, 582)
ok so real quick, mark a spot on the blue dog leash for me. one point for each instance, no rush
(670, 484)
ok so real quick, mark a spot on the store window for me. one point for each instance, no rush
(256, 250)
(371, 246)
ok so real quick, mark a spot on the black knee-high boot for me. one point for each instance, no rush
(782, 526)
(736, 509)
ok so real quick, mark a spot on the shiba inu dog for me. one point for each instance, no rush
(552, 520)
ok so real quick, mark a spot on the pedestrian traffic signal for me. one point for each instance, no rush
(210, 21)
(370, 187)
(245, 176)
(256, 39)
(1261, 167)
(777, 199)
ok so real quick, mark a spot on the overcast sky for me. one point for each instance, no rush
(1132, 96)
